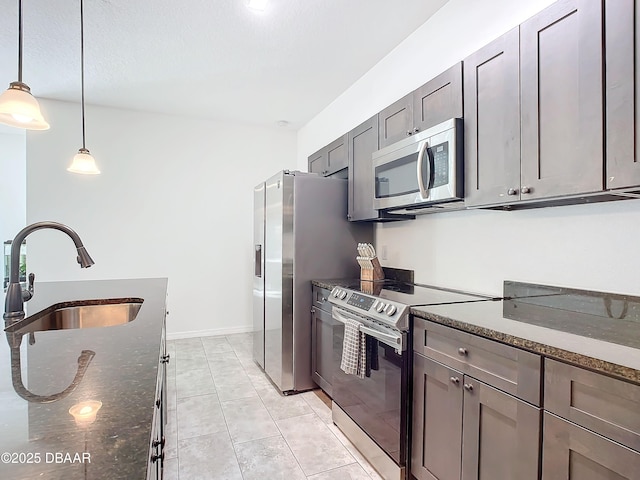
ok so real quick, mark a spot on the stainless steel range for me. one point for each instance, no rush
(373, 412)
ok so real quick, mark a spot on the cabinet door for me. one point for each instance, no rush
(318, 162)
(336, 154)
(571, 452)
(562, 100)
(501, 435)
(439, 99)
(437, 421)
(322, 349)
(363, 141)
(492, 122)
(396, 121)
(622, 74)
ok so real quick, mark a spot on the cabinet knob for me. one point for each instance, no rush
(512, 191)
(155, 458)
(159, 443)
(455, 380)
(416, 130)
(463, 352)
(409, 132)
(166, 358)
(468, 387)
(525, 190)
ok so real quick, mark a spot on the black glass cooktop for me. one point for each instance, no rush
(415, 294)
(604, 316)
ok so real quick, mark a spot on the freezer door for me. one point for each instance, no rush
(258, 274)
(278, 361)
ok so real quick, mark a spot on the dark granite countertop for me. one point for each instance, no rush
(352, 283)
(122, 375)
(487, 319)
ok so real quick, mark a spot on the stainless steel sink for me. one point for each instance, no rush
(80, 314)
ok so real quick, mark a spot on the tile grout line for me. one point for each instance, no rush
(242, 348)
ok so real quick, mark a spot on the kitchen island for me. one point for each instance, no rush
(40, 438)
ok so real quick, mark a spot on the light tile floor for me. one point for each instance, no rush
(226, 421)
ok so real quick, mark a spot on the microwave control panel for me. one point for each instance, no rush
(440, 155)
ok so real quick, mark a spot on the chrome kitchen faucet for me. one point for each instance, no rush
(14, 302)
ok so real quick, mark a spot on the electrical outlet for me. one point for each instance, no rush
(383, 252)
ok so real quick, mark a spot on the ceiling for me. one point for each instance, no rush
(206, 58)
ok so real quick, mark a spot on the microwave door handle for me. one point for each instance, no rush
(424, 192)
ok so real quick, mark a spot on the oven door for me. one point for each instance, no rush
(376, 403)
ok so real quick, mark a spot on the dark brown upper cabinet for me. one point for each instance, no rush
(561, 100)
(363, 141)
(330, 159)
(436, 101)
(492, 122)
(622, 73)
(534, 109)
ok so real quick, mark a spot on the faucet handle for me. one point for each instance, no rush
(28, 294)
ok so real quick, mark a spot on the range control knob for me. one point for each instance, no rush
(342, 295)
(390, 310)
(380, 307)
(335, 292)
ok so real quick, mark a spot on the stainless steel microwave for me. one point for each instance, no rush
(421, 170)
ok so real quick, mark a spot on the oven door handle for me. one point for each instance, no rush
(424, 190)
(395, 341)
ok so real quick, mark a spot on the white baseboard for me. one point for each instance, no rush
(210, 332)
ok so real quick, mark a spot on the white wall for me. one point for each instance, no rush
(13, 182)
(175, 199)
(584, 246)
(458, 29)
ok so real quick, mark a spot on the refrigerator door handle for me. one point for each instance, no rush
(258, 261)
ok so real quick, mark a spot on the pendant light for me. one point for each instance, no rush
(18, 108)
(83, 162)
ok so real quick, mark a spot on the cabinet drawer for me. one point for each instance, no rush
(570, 452)
(321, 298)
(605, 405)
(509, 369)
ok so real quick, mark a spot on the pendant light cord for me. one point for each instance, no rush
(20, 41)
(82, 67)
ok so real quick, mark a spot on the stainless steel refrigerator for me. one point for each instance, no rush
(301, 233)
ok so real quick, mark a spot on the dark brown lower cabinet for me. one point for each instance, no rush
(436, 445)
(322, 348)
(466, 429)
(571, 452)
(500, 435)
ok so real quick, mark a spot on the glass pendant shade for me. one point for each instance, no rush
(84, 163)
(18, 108)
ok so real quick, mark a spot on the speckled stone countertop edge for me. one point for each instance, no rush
(591, 363)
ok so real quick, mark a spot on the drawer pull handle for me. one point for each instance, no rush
(463, 352)
(155, 458)
(455, 380)
(468, 387)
